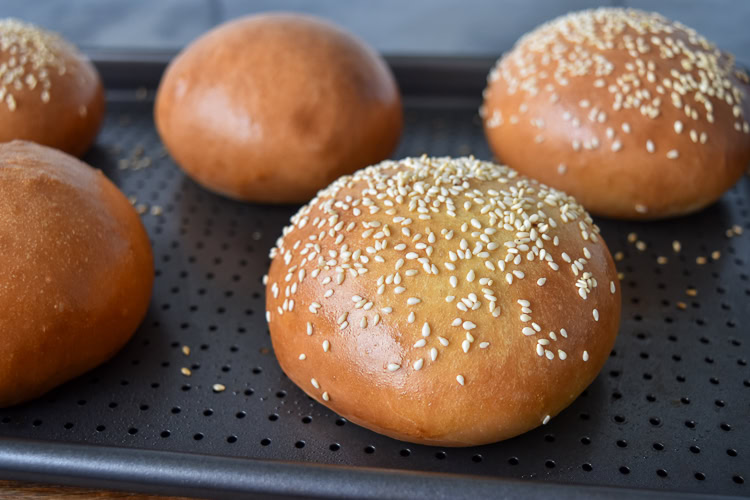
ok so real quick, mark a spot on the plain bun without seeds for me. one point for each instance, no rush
(77, 270)
(271, 108)
(442, 301)
(636, 116)
(50, 93)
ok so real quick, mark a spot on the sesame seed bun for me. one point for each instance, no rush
(77, 269)
(271, 108)
(49, 92)
(442, 301)
(636, 116)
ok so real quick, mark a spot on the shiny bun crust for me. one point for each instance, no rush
(49, 92)
(271, 108)
(636, 116)
(77, 270)
(442, 301)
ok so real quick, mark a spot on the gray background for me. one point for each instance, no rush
(413, 27)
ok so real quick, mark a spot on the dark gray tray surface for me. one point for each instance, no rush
(669, 411)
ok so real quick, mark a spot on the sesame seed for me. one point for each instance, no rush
(596, 315)
(546, 420)
(585, 356)
(315, 383)
(218, 387)
(186, 350)
(185, 371)
(426, 330)
(412, 301)
(433, 354)
(392, 367)
(676, 246)
(612, 287)
(700, 260)
(673, 154)
(650, 146)
(541, 281)
(302, 357)
(528, 331)
(326, 397)
(326, 346)
(460, 379)
(678, 126)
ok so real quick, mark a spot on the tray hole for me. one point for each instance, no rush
(143, 407)
(176, 410)
(732, 452)
(340, 421)
(165, 434)
(619, 419)
(658, 446)
(550, 438)
(476, 458)
(586, 440)
(720, 403)
(112, 405)
(36, 423)
(265, 442)
(273, 417)
(199, 436)
(695, 449)
(281, 394)
(405, 452)
(587, 467)
(685, 400)
(306, 419)
(650, 398)
(69, 425)
(240, 414)
(513, 461)
(440, 455)
(550, 464)
(624, 469)
(208, 412)
(700, 476)
(231, 439)
(369, 449)
(725, 427)
(661, 473)
(133, 431)
(621, 443)
(738, 479)
(690, 424)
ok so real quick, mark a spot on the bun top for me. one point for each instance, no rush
(49, 92)
(447, 283)
(273, 107)
(611, 86)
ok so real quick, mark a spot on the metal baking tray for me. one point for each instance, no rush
(668, 415)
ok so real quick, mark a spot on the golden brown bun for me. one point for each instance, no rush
(575, 103)
(376, 372)
(49, 92)
(77, 270)
(271, 108)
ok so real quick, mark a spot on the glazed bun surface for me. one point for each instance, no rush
(636, 116)
(442, 301)
(49, 92)
(77, 270)
(271, 108)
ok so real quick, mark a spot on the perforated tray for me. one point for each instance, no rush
(669, 412)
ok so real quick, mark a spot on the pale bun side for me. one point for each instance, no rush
(77, 270)
(50, 93)
(273, 107)
(372, 292)
(636, 116)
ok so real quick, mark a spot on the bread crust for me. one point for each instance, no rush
(653, 125)
(271, 108)
(54, 96)
(506, 388)
(77, 270)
